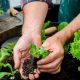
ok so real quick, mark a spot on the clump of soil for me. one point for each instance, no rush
(29, 65)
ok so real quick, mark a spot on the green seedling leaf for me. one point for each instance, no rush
(37, 52)
(10, 46)
(11, 73)
(2, 74)
(4, 54)
(75, 46)
(45, 25)
(62, 25)
(43, 52)
(75, 49)
(6, 65)
(77, 36)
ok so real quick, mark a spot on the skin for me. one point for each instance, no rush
(12, 11)
(34, 16)
(52, 63)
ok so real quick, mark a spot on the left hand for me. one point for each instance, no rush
(52, 63)
(13, 11)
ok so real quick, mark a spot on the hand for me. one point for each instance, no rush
(52, 63)
(13, 11)
(21, 52)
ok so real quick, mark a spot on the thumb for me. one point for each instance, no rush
(46, 45)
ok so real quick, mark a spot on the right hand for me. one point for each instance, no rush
(21, 52)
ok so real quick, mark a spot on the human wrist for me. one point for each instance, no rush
(31, 31)
(61, 37)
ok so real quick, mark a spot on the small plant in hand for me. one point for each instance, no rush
(30, 64)
(36, 53)
(7, 70)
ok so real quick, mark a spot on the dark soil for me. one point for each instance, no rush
(69, 70)
(29, 65)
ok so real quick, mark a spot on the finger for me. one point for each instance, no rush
(36, 75)
(57, 71)
(31, 77)
(50, 58)
(36, 71)
(46, 45)
(21, 72)
(37, 41)
(17, 58)
(51, 65)
(51, 69)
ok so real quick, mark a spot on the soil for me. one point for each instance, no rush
(69, 70)
(29, 65)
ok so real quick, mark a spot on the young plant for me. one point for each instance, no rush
(5, 54)
(75, 46)
(38, 52)
(45, 25)
(62, 25)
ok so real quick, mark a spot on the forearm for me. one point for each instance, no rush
(34, 16)
(68, 31)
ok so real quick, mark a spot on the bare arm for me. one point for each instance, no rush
(34, 16)
(68, 31)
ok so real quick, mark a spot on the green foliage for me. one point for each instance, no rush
(37, 52)
(75, 46)
(2, 65)
(10, 46)
(62, 25)
(1, 11)
(77, 36)
(45, 25)
(67, 47)
(11, 73)
(5, 53)
(75, 49)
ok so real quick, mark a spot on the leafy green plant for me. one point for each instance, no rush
(10, 46)
(75, 49)
(75, 46)
(1, 11)
(37, 52)
(45, 25)
(5, 53)
(62, 25)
